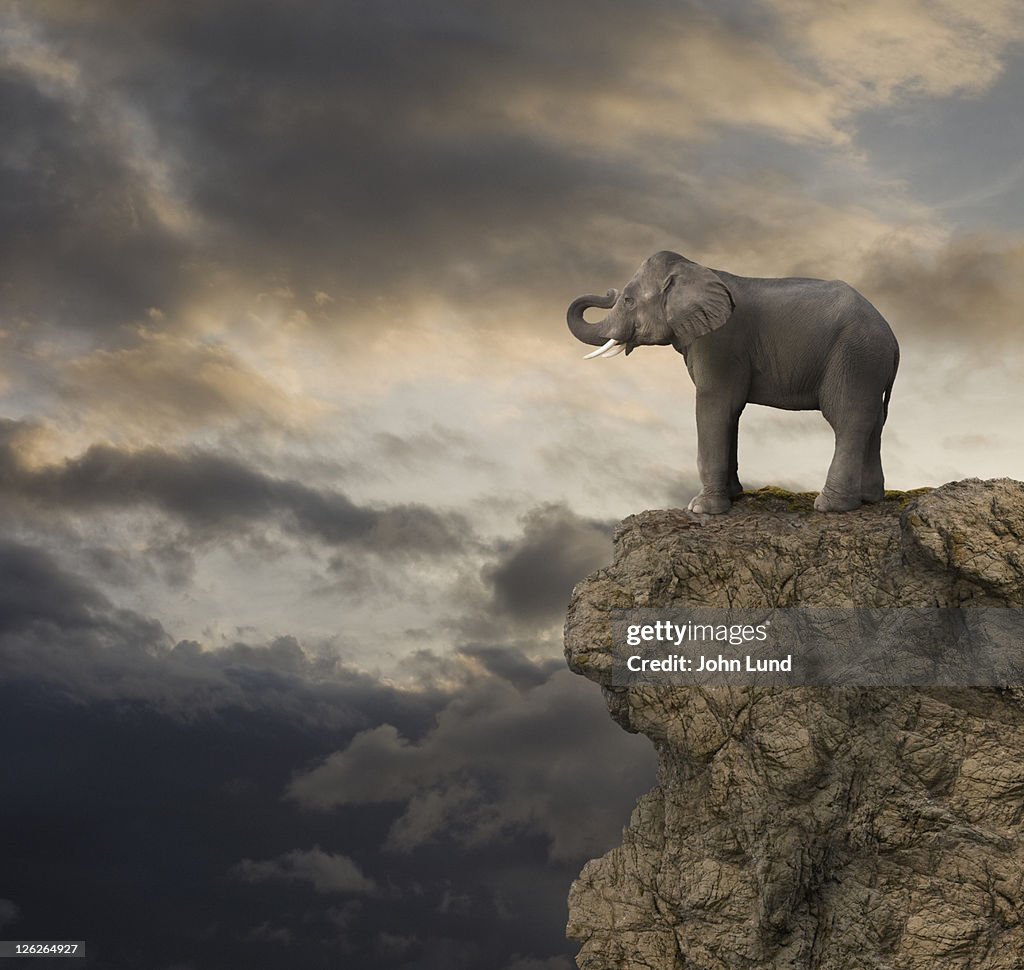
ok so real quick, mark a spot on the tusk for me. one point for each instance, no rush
(600, 350)
(616, 350)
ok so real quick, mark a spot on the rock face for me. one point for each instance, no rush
(833, 828)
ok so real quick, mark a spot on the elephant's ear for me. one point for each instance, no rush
(696, 301)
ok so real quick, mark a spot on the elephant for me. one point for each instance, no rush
(792, 343)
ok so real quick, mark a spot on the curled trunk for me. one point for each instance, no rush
(594, 334)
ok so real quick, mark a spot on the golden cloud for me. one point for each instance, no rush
(170, 384)
(877, 50)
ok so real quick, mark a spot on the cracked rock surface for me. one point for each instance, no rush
(833, 828)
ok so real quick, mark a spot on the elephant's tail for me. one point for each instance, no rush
(892, 380)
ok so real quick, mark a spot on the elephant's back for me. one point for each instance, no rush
(807, 305)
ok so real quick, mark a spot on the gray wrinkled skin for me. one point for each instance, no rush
(813, 828)
(798, 344)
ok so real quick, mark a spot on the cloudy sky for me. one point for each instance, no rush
(299, 462)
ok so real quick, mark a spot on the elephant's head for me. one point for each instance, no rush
(669, 300)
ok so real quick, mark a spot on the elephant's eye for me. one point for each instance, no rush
(628, 301)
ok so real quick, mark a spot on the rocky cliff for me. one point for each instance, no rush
(837, 828)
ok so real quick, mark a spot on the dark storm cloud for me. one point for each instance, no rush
(57, 629)
(41, 601)
(500, 762)
(534, 575)
(479, 803)
(511, 665)
(214, 495)
(81, 242)
(34, 588)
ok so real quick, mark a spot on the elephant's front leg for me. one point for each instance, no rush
(717, 423)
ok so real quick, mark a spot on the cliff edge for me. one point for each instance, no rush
(832, 828)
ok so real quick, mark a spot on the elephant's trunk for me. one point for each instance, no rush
(594, 334)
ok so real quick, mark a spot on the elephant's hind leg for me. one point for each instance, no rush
(735, 486)
(872, 482)
(843, 487)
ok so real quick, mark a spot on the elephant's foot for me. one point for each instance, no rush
(704, 503)
(831, 502)
(735, 488)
